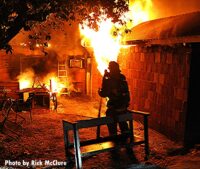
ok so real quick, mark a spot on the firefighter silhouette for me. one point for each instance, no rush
(115, 88)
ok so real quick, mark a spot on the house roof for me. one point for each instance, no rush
(175, 29)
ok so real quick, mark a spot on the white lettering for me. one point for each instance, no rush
(47, 162)
(36, 163)
(12, 163)
(25, 163)
(55, 163)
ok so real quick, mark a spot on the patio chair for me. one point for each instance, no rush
(7, 125)
(23, 106)
(6, 107)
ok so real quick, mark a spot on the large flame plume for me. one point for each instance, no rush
(106, 46)
(106, 42)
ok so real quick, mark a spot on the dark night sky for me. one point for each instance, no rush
(164, 8)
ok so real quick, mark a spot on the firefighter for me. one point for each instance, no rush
(115, 88)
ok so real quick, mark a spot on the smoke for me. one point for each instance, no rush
(165, 8)
(41, 66)
(46, 64)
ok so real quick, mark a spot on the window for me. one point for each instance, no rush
(76, 63)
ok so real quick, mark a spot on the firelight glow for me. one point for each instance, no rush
(50, 82)
(106, 45)
(26, 79)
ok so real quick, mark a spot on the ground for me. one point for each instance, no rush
(42, 139)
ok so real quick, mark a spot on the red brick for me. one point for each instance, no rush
(169, 58)
(142, 57)
(157, 57)
(147, 104)
(162, 79)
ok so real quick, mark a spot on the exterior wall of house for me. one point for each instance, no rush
(158, 78)
(11, 88)
(3, 67)
(9, 66)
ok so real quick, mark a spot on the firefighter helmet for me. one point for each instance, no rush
(113, 66)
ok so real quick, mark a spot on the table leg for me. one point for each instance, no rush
(77, 147)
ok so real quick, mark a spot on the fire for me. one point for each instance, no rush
(54, 85)
(139, 11)
(106, 42)
(106, 46)
(28, 79)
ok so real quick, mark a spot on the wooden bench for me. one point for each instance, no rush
(77, 149)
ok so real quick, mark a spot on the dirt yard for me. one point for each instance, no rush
(42, 139)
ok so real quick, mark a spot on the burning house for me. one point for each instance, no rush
(158, 57)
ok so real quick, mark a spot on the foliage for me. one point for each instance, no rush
(16, 15)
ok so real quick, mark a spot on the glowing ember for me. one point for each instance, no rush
(105, 42)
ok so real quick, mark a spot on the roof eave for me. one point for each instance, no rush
(167, 41)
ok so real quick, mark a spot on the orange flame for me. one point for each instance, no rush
(105, 44)
(51, 82)
(26, 79)
(139, 11)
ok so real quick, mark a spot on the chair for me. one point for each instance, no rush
(6, 107)
(20, 105)
(7, 126)
(10, 111)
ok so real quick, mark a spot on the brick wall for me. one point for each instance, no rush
(158, 81)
